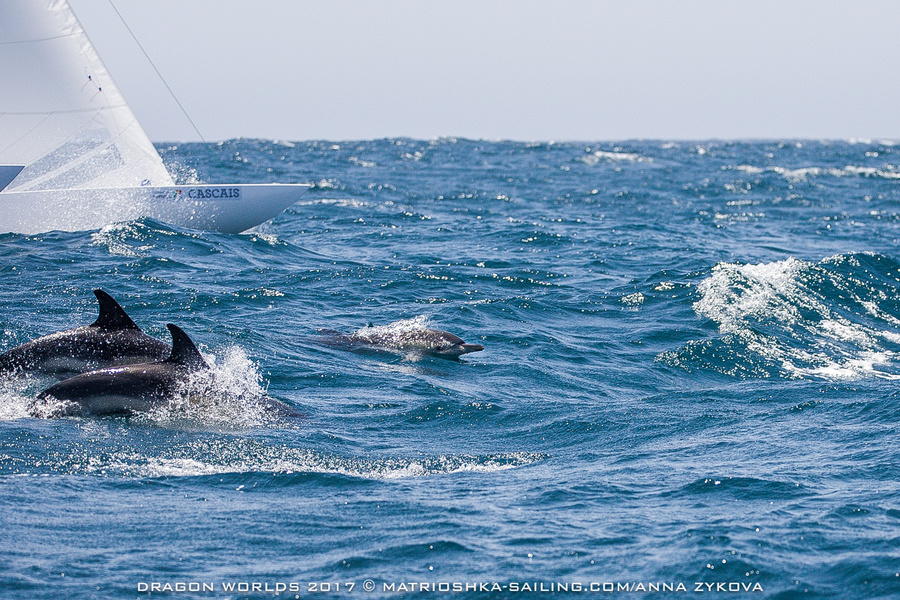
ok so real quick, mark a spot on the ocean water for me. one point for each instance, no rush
(689, 386)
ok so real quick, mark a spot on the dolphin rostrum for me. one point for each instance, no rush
(136, 387)
(431, 342)
(113, 339)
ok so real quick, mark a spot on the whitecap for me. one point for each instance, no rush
(280, 460)
(601, 155)
(119, 237)
(784, 314)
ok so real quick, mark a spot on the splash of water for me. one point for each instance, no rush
(396, 329)
(228, 395)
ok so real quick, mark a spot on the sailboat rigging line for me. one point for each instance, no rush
(24, 135)
(160, 75)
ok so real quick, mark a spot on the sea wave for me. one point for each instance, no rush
(835, 319)
(243, 456)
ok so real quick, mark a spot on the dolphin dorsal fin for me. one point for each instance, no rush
(184, 352)
(112, 316)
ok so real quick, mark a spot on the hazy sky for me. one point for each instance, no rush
(503, 69)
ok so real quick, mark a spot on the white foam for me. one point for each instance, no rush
(361, 163)
(776, 311)
(15, 400)
(802, 174)
(736, 293)
(228, 395)
(601, 155)
(294, 460)
(635, 299)
(398, 328)
(18, 399)
(341, 202)
(116, 238)
(849, 369)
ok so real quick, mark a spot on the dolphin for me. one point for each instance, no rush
(113, 339)
(136, 387)
(430, 342)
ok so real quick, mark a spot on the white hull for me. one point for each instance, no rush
(225, 208)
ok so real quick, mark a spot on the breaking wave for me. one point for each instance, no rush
(241, 456)
(300, 461)
(836, 319)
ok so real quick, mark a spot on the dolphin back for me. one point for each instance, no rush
(136, 387)
(113, 339)
(422, 340)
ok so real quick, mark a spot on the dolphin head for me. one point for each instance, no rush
(447, 345)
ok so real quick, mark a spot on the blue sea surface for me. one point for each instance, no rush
(689, 386)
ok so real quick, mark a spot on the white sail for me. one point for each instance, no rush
(61, 115)
(72, 155)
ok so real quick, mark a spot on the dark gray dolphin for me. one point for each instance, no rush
(138, 387)
(431, 342)
(113, 339)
